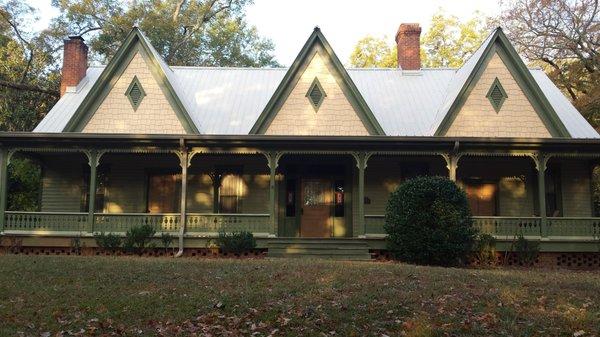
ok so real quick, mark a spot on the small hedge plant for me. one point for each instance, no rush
(137, 238)
(428, 221)
(236, 242)
(108, 242)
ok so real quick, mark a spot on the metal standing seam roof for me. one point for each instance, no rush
(228, 101)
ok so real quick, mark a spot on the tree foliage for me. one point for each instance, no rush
(563, 36)
(447, 43)
(373, 52)
(184, 32)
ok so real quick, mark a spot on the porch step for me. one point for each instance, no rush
(337, 249)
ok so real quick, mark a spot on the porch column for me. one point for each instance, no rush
(184, 163)
(3, 185)
(541, 171)
(361, 163)
(93, 161)
(273, 162)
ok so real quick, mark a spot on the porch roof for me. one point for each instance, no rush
(322, 144)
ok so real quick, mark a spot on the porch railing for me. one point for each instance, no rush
(46, 221)
(122, 222)
(574, 227)
(508, 226)
(213, 223)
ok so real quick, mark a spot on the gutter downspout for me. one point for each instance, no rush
(183, 162)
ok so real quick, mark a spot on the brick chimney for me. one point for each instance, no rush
(409, 46)
(75, 62)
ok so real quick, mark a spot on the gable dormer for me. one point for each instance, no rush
(134, 94)
(495, 95)
(317, 97)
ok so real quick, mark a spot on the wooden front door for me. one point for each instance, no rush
(482, 198)
(163, 193)
(317, 202)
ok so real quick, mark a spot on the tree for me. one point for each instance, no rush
(184, 32)
(449, 42)
(372, 52)
(563, 36)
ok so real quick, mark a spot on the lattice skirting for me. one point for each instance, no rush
(154, 252)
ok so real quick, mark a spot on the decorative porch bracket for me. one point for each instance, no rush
(273, 162)
(94, 157)
(452, 164)
(362, 159)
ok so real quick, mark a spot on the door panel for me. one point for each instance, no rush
(482, 198)
(317, 202)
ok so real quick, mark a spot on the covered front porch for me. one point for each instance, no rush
(311, 187)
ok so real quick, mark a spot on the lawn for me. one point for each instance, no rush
(105, 296)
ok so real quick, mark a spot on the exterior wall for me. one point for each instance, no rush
(515, 177)
(154, 115)
(516, 118)
(576, 188)
(335, 116)
(62, 181)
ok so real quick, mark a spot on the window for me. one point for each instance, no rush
(482, 196)
(316, 94)
(497, 95)
(135, 93)
(230, 189)
(290, 198)
(553, 194)
(102, 173)
(164, 192)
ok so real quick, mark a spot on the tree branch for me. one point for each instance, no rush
(28, 87)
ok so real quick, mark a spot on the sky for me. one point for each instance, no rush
(288, 23)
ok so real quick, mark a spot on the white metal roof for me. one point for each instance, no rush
(228, 101)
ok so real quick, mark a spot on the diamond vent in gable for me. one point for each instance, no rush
(135, 93)
(316, 94)
(497, 95)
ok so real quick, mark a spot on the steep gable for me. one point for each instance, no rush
(317, 97)
(495, 95)
(134, 94)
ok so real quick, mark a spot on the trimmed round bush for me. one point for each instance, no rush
(428, 221)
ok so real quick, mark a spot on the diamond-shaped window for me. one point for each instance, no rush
(316, 94)
(497, 95)
(135, 93)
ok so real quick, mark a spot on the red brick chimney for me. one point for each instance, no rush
(409, 46)
(75, 62)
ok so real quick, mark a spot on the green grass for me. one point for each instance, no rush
(93, 296)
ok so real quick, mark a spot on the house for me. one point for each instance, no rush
(309, 151)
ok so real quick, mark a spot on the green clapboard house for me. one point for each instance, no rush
(307, 153)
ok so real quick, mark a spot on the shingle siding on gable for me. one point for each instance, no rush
(335, 116)
(516, 118)
(153, 116)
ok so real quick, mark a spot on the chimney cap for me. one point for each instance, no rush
(408, 28)
(76, 37)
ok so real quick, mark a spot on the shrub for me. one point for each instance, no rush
(526, 251)
(428, 221)
(108, 241)
(137, 238)
(167, 240)
(485, 249)
(236, 242)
